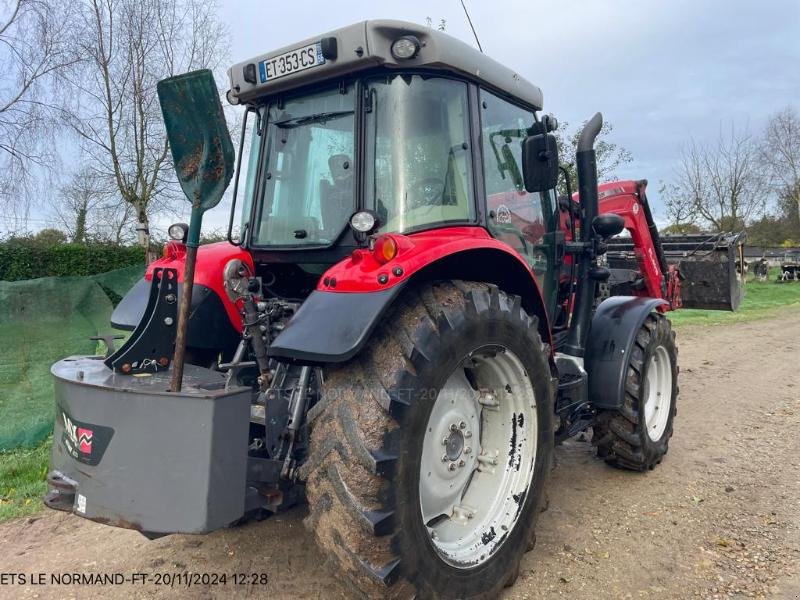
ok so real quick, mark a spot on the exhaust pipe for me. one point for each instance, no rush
(586, 162)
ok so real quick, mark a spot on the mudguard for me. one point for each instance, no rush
(332, 327)
(334, 323)
(214, 320)
(611, 338)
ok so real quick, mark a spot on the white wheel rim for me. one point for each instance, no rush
(478, 457)
(658, 393)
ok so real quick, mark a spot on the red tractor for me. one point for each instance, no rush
(408, 322)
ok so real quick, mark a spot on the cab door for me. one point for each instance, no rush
(525, 221)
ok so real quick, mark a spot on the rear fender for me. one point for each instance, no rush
(336, 320)
(611, 339)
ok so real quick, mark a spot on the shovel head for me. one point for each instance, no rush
(198, 136)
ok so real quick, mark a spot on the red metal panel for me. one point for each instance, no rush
(361, 272)
(211, 260)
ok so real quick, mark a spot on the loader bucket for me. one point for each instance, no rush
(711, 268)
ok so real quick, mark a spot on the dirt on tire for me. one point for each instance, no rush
(718, 518)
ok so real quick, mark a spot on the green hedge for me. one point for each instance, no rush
(27, 261)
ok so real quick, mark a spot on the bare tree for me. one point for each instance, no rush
(131, 45)
(679, 208)
(721, 183)
(780, 157)
(610, 156)
(34, 50)
(89, 208)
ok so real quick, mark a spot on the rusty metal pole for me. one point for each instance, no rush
(183, 308)
(202, 153)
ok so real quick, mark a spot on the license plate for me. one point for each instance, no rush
(290, 62)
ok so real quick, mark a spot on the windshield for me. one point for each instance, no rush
(308, 191)
(418, 167)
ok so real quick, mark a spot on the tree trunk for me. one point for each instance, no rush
(80, 226)
(143, 235)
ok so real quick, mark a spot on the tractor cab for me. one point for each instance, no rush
(382, 127)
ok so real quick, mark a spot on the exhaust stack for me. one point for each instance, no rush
(586, 161)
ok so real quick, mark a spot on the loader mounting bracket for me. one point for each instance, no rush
(152, 343)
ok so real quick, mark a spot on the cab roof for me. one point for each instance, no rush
(366, 45)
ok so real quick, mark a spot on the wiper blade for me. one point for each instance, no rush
(317, 118)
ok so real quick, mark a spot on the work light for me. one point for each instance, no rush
(364, 221)
(178, 231)
(405, 47)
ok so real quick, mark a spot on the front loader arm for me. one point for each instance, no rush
(688, 271)
(627, 200)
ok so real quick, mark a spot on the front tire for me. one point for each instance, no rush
(636, 437)
(454, 369)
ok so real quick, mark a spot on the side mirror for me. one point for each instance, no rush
(540, 162)
(608, 225)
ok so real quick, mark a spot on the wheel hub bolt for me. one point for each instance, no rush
(444, 458)
(468, 450)
(462, 425)
(461, 463)
(444, 440)
(453, 427)
(468, 434)
(452, 467)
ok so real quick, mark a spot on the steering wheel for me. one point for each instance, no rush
(426, 192)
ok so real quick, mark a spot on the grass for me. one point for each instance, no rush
(22, 471)
(761, 300)
(22, 474)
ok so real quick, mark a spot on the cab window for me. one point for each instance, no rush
(418, 160)
(522, 220)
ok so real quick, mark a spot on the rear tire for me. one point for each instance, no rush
(373, 428)
(636, 437)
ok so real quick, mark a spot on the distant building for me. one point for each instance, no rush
(775, 255)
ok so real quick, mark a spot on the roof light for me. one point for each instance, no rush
(178, 231)
(405, 47)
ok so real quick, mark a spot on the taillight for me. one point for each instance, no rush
(385, 249)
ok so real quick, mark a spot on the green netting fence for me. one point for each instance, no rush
(41, 321)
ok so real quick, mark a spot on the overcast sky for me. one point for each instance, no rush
(659, 71)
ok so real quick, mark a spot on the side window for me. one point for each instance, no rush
(515, 216)
(520, 219)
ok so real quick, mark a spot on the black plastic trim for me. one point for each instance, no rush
(130, 309)
(209, 324)
(611, 338)
(332, 327)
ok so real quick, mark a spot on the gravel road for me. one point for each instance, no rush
(719, 518)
